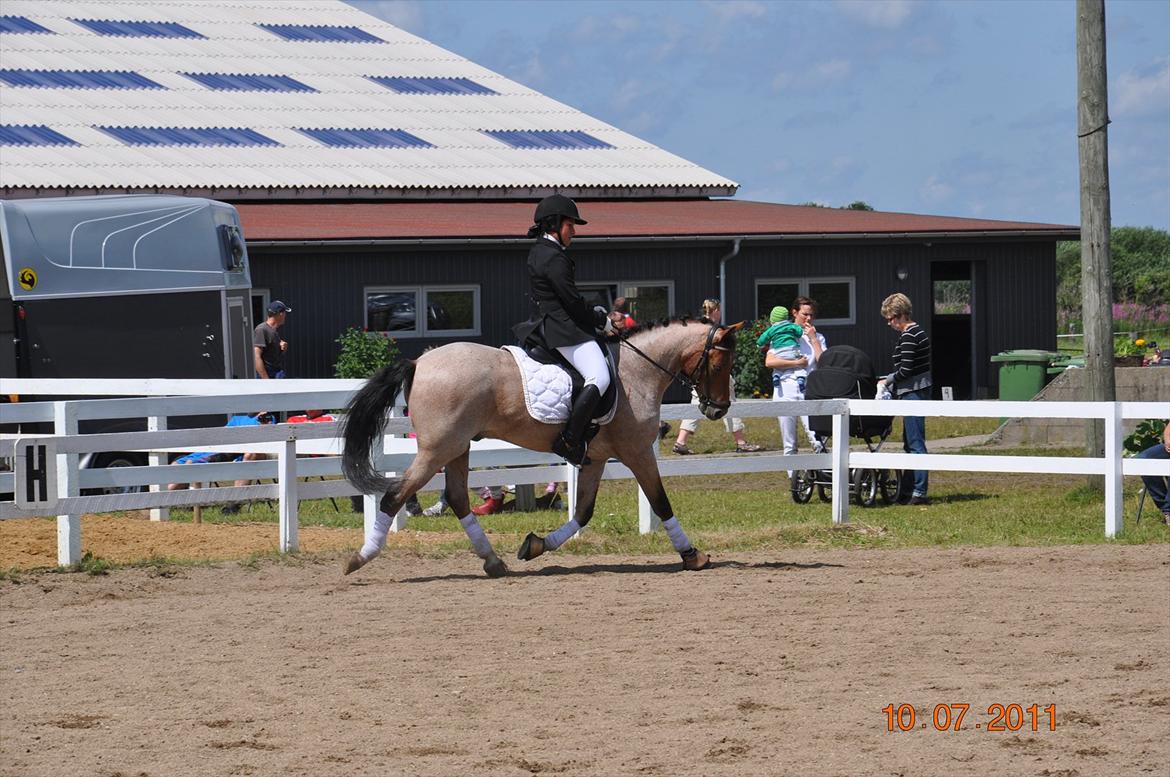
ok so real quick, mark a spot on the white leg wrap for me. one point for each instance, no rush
(678, 537)
(377, 539)
(479, 540)
(558, 537)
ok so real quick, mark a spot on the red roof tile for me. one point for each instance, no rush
(610, 218)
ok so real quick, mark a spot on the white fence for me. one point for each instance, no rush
(286, 441)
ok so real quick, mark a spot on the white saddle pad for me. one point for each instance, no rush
(547, 389)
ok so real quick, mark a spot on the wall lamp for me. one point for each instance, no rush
(902, 273)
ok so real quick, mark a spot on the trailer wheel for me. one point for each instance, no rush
(117, 459)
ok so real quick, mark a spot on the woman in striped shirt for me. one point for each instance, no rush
(909, 380)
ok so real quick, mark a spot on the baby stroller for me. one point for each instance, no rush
(844, 372)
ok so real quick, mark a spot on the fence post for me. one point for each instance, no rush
(841, 467)
(68, 526)
(1114, 496)
(157, 423)
(369, 513)
(399, 522)
(287, 489)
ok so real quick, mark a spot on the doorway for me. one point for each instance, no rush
(239, 336)
(952, 329)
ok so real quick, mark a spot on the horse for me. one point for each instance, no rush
(464, 391)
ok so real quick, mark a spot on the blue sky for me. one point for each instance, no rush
(949, 108)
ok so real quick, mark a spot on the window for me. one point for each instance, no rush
(431, 85)
(834, 297)
(451, 311)
(365, 138)
(546, 139)
(137, 29)
(239, 82)
(188, 136)
(78, 79)
(32, 135)
(20, 24)
(648, 300)
(319, 33)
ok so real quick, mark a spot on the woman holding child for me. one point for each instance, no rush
(791, 359)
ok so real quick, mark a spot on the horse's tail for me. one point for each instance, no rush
(362, 426)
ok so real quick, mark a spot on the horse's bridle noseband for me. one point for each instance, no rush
(691, 381)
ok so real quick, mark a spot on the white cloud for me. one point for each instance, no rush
(833, 70)
(611, 28)
(935, 191)
(782, 81)
(889, 14)
(1144, 91)
(629, 93)
(407, 14)
(728, 10)
(816, 76)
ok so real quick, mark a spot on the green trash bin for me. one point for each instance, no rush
(1022, 374)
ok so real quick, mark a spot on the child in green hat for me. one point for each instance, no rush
(783, 336)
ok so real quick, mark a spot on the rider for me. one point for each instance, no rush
(563, 318)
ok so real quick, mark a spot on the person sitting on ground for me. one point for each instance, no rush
(783, 336)
(1156, 484)
(211, 457)
(311, 416)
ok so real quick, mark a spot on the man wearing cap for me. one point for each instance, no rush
(267, 345)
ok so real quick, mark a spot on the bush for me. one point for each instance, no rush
(364, 353)
(1147, 434)
(752, 378)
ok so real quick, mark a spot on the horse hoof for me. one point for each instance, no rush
(532, 547)
(354, 563)
(495, 566)
(694, 560)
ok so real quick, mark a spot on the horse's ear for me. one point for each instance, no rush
(734, 327)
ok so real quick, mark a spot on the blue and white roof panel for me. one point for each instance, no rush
(163, 94)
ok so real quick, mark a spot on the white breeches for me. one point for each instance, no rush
(789, 391)
(589, 361)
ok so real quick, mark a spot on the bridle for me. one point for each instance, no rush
(702, 368)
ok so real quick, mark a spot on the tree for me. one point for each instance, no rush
(855, 205)
(1141, 268)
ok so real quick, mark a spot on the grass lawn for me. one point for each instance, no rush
(756, 512)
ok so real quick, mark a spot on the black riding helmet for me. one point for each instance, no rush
(558, 205)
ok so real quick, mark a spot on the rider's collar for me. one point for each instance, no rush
(552, 237)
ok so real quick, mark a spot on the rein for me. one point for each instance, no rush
(691, 381)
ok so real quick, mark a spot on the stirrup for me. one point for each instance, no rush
(575, 454)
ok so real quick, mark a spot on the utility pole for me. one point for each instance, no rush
(1096, 264)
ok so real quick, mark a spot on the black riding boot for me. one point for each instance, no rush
(571, 444)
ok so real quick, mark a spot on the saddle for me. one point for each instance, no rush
(535, 349)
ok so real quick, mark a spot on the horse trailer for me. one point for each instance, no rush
(150, 286)
(123, 286)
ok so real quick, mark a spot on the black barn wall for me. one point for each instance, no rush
(1015, 287)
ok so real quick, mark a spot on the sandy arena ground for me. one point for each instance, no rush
(590, 666)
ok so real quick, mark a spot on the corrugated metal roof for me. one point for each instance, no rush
(464, 160)
(632, 219)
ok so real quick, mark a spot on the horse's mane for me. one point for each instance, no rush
(683, 319)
